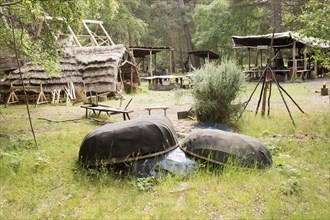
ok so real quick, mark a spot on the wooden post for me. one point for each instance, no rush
(143, 66)
(294, 61)
(315, 67)
(132, 78)
(249, 57)
(150, 63)
(155, 62)
(173, 61)
(170, 61)
(235, 52)
(264, 98)
(260, 59)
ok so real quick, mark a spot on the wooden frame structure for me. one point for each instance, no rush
(95, 38)
(13, 98)
(298, 64)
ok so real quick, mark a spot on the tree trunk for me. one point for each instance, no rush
(190, 46)
(277, 10)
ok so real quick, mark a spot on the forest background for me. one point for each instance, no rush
(159, 23)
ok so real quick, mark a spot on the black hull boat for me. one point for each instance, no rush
(223, 147)
(128, 141)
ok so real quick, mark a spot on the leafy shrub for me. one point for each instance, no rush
(215, 88)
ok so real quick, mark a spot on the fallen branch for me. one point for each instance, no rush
(58, 121)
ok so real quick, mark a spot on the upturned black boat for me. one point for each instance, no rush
(221, 147)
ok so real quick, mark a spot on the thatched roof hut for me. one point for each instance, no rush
(98, 69)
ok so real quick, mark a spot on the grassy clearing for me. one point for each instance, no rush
(47, 183)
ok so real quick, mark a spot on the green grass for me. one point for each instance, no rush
(47, 183)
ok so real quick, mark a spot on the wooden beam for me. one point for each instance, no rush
(74, 36)
(106, 34)
(90, 32)
(92, 21)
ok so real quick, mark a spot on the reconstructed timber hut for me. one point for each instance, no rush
(106, 69)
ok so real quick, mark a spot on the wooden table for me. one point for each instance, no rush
(107, 109)
(159, 79)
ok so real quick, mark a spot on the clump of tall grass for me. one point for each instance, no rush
(215, 89)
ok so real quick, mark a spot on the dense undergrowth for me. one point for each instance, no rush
(48, 183)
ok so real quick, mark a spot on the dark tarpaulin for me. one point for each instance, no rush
(220, 146)
(173, 162)
(128, 141)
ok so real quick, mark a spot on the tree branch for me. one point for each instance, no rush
(10, 3)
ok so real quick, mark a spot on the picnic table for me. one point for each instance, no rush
(97, 109)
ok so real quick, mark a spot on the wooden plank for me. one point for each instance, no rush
(92, 21)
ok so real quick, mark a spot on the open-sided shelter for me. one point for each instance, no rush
(288, 58)
(147, 58)
(204, 56)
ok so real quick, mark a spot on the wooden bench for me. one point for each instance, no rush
(97, 109)
(107, 109)
(156, 107)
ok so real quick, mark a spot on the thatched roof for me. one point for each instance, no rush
(95, 67)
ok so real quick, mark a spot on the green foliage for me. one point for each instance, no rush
(33, 43)
(144, 184)
(211, 30)
(215, 89)
(314, 22)
(121, 22)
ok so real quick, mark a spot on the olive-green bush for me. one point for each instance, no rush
(215, 91)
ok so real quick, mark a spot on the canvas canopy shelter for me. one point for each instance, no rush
(281, 40)
(292, 63)
(220, 147)
(127, 141)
